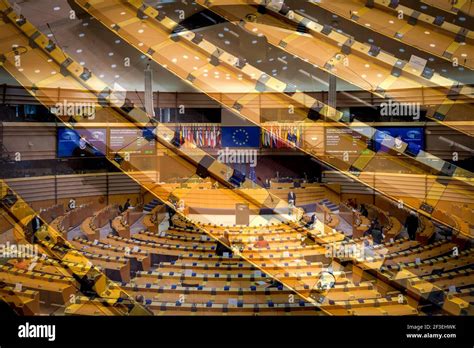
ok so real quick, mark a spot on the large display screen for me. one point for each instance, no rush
(351, 140)
(81, 142)
(413, 136)
(132, 140)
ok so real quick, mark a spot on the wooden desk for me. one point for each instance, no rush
(56, 291)
(25, 302)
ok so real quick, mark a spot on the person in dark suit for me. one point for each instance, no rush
(36, 223)
(376, 232)
(126, 205)
(292, 197)
(363, 210)
(312, 220)
(411, 224)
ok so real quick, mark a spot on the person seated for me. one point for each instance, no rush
(126, 205)
(373, 222)
(312, 220)
(140, 299)
(363, 210)
(261, 243)
(223, 245)
(376, 232)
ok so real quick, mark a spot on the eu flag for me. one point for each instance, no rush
(240, 136)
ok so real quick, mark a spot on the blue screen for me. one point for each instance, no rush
(81, 142)
(240, 137)
(413, 136)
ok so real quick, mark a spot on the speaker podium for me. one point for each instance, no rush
(242, 214)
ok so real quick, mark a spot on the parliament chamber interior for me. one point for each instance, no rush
(237, 158)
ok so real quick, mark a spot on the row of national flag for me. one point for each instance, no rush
(210, 136)
(282, 136)
(201, 136)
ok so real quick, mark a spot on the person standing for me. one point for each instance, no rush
(292, 198)
(411, 224)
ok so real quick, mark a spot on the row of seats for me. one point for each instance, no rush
(92, 225)
(195, 279)
(386, 21)
(182, 261)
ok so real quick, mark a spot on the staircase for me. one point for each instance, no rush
(334, 208)
(149, 206)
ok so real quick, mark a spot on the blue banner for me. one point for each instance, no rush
(240, 137)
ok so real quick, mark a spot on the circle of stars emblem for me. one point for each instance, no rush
(240, 137)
